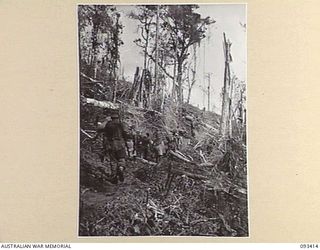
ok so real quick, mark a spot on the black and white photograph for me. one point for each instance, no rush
(163, 120)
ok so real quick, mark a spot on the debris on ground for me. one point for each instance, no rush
(198, 189)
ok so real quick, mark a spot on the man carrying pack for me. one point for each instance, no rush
(130, 143)
(116, 137)
(158, 146)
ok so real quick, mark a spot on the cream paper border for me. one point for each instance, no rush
(39, 127)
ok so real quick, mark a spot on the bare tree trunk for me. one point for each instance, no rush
(174, 72)
(209, 93)
(140, 96)
(209, 89)
(240, 108)
(157, 54)
(193, 81)
(135, 87)
(244, 125)
(179, 82)
(174, 79)
(189, 95)
(115, 67)
(95, 59)
(145, 67)
(204, 73)
(162, 93)
(224, 124)
(95, 30)
(115, 89)
(230, 106)
(89, 57)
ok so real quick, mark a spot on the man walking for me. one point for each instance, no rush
(116, 137)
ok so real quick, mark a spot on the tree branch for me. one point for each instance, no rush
(163, 69)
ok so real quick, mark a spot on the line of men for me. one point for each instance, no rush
(120, 143)
(151, 147)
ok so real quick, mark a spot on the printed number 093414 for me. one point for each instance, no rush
(309, 246)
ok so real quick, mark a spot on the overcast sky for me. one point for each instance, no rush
(210, 56)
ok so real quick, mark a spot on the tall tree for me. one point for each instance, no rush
(186, 27)
(179, 27)
(145, 14)
(99, 41)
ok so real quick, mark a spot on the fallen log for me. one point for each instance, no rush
(85, 133)
(102, 104)
(180, 156)
(146, 161)
(206, 164)
(91, 79)
(228, 187)
(190, 157)
(208, 126)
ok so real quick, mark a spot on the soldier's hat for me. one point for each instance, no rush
(114, 114)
